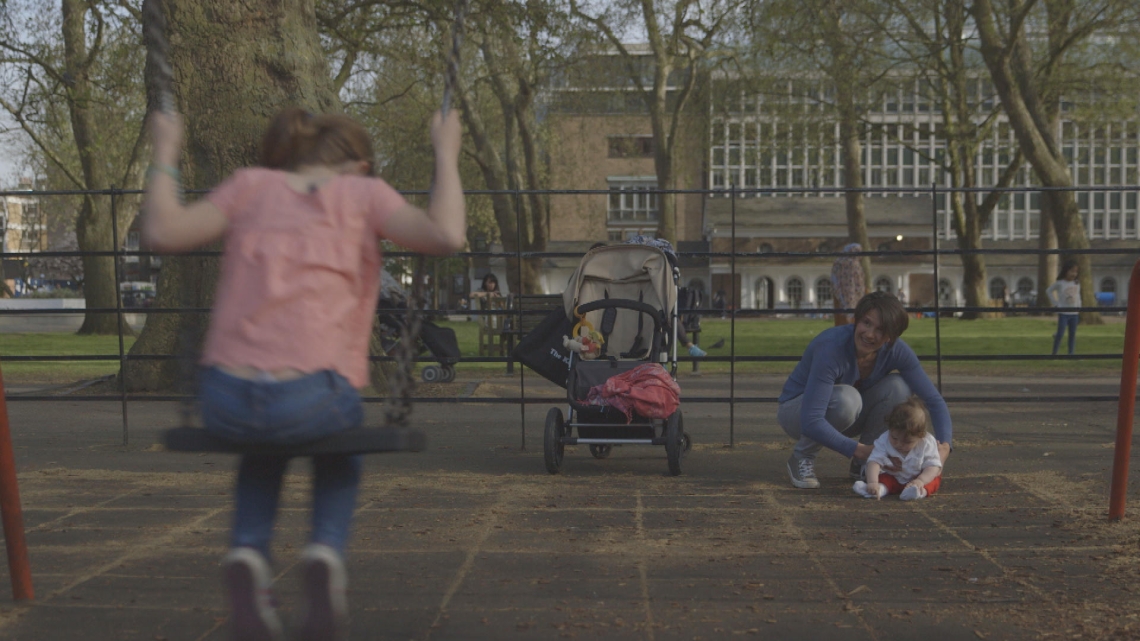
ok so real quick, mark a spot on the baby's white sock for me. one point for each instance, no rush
(860, 488)
(912, 493)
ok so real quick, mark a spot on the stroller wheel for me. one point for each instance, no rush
(601, 451)
(431, 374)
(674, 442)
(448, 373)
(552, 446)
(687, 443)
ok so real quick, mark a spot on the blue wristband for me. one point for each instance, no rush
(160, 168)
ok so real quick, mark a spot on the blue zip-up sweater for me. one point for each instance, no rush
(829, 360)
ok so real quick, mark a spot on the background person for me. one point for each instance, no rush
(301, 257)
(489, 288)
(1065, 292)
(905, 458)
(847, 281)
(849, 378)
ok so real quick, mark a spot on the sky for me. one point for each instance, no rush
(9, 144)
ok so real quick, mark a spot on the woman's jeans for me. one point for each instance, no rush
(286, 412)
(1066, 320)
(850, 412)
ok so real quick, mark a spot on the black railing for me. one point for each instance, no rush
(937, 310)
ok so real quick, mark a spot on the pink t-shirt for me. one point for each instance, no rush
(300, 273)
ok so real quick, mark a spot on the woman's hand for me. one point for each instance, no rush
(943, 452)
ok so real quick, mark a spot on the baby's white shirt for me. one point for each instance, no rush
(923, 455)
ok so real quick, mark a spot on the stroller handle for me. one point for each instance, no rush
(658, 316)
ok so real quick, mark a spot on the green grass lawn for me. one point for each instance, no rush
(59, 344)
(768, 337)
(788, 338)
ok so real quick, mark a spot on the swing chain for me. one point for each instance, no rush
(451, 81)
(160, 88)
(399, 404)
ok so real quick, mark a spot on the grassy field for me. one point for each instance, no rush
(754, 338)
(1012, 336)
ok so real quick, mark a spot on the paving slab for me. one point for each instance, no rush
(472, 539)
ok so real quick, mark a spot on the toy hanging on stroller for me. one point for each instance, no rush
(624, 299)
(440, 341)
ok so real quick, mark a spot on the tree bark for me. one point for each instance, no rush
(235, 66)
(1021, 98)
(93, 228)
(849, 126)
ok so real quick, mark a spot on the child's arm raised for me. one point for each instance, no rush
(442, 229)
(168, 224)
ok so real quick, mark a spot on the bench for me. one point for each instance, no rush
(525, 311)
(491, 325)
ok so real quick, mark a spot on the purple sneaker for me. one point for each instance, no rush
(248, 579)
(324, 583)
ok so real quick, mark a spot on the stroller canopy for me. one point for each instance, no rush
(630, 272)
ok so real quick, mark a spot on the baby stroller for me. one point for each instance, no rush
(439, 341)
(628, 293)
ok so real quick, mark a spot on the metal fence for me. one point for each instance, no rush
(937, 254)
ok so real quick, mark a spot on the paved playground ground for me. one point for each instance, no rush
(472, 539)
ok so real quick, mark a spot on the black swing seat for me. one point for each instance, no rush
(356, 441)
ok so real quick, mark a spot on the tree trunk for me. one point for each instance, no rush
(1047, 264)
(853, 177)
(93, 225)
(235, 66)
(1019, 97)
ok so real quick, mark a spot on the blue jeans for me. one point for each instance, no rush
(849, 411)
(287, 412)
(1066, 320)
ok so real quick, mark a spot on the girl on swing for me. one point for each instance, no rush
(287, 345)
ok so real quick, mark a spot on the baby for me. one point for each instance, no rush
(906, 454)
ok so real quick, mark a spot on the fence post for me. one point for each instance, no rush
(119, 308)
(1126, 409)
(13, 517)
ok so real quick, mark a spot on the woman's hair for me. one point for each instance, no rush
(296, 138)
(1065, 267)
(909, 417)
(891, 312)
(489, 277)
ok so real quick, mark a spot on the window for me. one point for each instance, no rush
(823, 291)
(630, 146)
(1108, 284)
(997, 288)
(1024, 286)
(632, 202)
(765, 248)
(795, 291)
(884, 284)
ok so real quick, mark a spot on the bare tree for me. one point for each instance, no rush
(88, 62)
(836, 43)
(1030, 89)
(936, 48)
(684, 41)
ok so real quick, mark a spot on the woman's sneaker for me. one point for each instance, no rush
(248, 580)
(326, 606)
(913, 493)
(802, 472)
